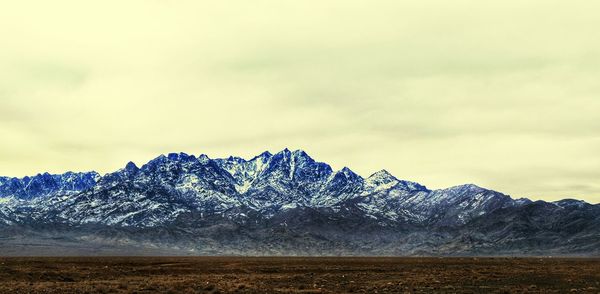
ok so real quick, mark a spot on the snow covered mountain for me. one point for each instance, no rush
(283, 203)
(44, 185)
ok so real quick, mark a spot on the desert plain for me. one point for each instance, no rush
(298, 275)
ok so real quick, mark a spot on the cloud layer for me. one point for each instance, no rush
(504, 94)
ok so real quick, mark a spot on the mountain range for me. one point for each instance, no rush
(278, 204)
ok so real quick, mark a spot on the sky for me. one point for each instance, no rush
(503, 94)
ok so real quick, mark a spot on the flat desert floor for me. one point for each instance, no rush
(297, 275)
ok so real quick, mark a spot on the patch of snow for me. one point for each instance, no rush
(289, 206)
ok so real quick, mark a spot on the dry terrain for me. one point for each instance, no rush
(297, 275)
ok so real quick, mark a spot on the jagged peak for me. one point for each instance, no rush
(159, 158)
(346, 170)
(348, 173)
(235, 159)
(383, 175)
(301, 155)
(265, 155)
(180, 156)
(203, 158)
(299, 152)
(383, 179)
(286, 153)
(283, 153)
(173, 156)
(131, 166)
(44, 175)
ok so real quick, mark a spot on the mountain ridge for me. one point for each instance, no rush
(132, 165)
(238, 206)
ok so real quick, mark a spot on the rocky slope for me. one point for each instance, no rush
(283, 203)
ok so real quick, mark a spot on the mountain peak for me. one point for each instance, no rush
(466, 187)
(571, 202)
(265, 155)
(383, 175)
(158, 159)
(348, 173)
(181, 156)
(203, 158)
(383, 179)
(346, 170)
(301, 155)
(299, 152)
(235, 159)
(131, 166)
(287, 152)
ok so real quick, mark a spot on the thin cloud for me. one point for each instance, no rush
(432, 95)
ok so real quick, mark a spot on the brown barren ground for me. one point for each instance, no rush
(296, 275)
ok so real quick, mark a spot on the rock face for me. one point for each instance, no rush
(45, 185)
(283, 203)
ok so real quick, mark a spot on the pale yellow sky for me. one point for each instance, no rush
(504, 94)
